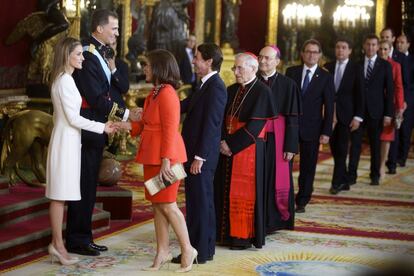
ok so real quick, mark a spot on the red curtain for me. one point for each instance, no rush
(11, 12)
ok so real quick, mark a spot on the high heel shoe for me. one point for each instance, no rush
(163, 262)
(55, 254)
(190, 266)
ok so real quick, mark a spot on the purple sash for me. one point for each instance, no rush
(282, 175)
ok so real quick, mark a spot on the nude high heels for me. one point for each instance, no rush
(55, 254)
(163, 262)
(190, 266)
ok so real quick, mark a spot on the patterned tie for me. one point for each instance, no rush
(338, 75)
(369, 70)
(306, 82)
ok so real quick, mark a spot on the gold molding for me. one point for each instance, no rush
(126, 26)
(380, 13)
(199, 20)
(272, 22)
(217, 29)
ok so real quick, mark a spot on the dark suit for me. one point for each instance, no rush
(379, 102)
(408, 123)
(94, 87)
(315, 120)
(202, 134)
(119, 82)
(349, 103)
(395, 145)
(186, 68)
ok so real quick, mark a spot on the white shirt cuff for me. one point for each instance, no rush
(359, 119)
(199, 158)
(126, 115)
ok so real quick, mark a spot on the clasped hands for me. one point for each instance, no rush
(225, 149)
(135, 114)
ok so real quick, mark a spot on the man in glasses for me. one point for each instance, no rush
(315, 122)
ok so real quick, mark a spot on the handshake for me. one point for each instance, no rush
(135, 114)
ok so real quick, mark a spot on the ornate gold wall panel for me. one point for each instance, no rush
(200, 6)
(217, 30)
(126, 26)
(272, 21)
(380, 15)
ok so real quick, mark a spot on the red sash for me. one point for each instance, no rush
(242, 187)
(282, 175)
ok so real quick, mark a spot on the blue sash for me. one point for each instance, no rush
(104, 65)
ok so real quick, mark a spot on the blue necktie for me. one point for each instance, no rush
(306, 82)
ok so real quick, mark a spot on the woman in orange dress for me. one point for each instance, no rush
(388, 132)
(162, 146)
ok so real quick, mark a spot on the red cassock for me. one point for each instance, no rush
(160, 138)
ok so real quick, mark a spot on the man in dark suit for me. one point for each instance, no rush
(378, 109)
(402, 45)
(93, 82)
(202, 134)
(315, 122)
(387, 34)
(348, 109)
(188, 76)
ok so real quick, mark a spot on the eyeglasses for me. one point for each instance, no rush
(311, 52)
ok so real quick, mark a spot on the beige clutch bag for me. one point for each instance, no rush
(154, 185)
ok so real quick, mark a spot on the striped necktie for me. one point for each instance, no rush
(369, 70)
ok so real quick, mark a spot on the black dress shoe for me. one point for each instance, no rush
(401, 163)
(98, 247)
(300, 209)
(177, 260)
(374, 182)
(85, 250)
(333, 191)
(392, 171)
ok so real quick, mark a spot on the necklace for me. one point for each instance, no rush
(157, 90)
(234, 109)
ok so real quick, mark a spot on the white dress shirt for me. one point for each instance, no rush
(312, 72)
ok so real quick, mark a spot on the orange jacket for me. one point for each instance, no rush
(159, 129)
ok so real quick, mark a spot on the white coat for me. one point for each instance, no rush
(64, 153)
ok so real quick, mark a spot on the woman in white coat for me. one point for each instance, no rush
(64, 154)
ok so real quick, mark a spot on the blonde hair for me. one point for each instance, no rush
(61, 58)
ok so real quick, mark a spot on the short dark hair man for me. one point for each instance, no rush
(348, 115)
(315, 122)
(204, 110)
(93, 82)
(378, 108)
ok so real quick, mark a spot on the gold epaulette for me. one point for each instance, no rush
(91, 48)
(324, 68)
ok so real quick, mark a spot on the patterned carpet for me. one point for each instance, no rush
(349, 234)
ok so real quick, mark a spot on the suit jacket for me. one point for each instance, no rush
(349, 100)
(159, 127)
(119, 82)
(379, 90)
(186, 69)
(94, 88)
(404, 62)
(317, 103)
(202, 125)
(409, 93)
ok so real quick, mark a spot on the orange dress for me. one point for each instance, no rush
(388, 132)
(160, 138)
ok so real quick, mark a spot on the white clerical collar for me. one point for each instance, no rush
(266, 77)
(206, 77)
(98, 40)
(246, 83)
(344, 62)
